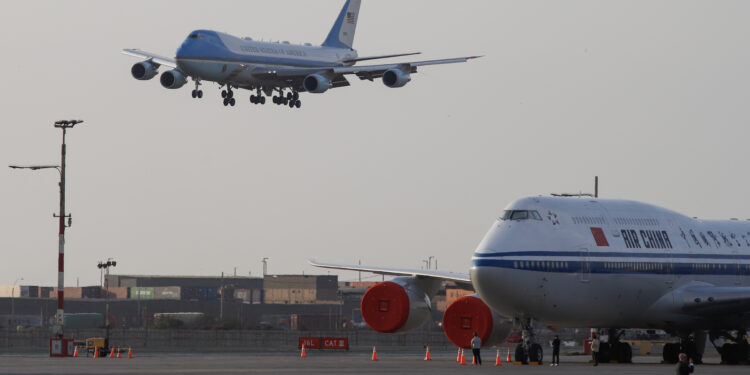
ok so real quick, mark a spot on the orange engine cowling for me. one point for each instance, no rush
(395, 306)
(470, 314)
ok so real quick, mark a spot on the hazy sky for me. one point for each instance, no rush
(652, 96)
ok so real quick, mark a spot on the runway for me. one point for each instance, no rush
(324, 363)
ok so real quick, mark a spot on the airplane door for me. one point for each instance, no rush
(585, 270)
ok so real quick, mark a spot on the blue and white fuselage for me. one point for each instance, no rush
(270, 68)
(602, 263)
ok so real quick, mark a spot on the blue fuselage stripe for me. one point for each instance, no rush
(601, 254)
(617, 267)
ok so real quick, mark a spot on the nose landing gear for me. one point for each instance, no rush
(197, 93)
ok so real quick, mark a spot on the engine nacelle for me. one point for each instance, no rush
(173, 79)
(144, 70)
(470, 314)
(395, 78)
(316, 83)
(396, 306)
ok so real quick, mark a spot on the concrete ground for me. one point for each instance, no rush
(325, 363)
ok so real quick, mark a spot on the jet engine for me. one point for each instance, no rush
(173, 79)
(395, 78)
(397, 306)
(470, 314)
(316, 83)
(144, 70)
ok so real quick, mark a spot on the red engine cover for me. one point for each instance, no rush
(465, 316)
(385, 307)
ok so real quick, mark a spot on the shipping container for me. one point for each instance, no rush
(167, 292)
(142, 292)
(185, 317)
(91, 292)
(116, 292)
(189, 293)
(208, 294)
(30, 291)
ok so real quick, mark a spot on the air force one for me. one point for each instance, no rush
(279, 69)
(586, 262)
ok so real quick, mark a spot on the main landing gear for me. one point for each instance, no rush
(737, 350)
(258, 98)
(197, 93)
(614, 349)
(528, 350)
(691, 343)
(228, 96)
(291, 99)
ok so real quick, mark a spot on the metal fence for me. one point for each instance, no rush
(226, 340)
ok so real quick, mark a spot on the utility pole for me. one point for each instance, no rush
(221, 303)
(105, 266)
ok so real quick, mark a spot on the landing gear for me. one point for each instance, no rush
(258, 98)
(614, 349)
(734, 352)
(228, 96)
(197, 93)
(528, 350)
(291, 99)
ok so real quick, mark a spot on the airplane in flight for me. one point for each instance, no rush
(279, 69)
(580, 261)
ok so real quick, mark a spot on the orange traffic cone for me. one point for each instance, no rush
(119, 354)
(458, 357)
(509, 360)
(130, 352)
(463, 358)
(303, 355)
(473, 360)
(427, 354)
(498, 362)
(96, 352)
(112, 353)
(374, 354)
(75, 352)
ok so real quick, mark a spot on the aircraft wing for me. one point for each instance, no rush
(368, 72)
(460, 278)
(161, 60)
(708, 300)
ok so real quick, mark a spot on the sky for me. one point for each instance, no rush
(651, 96)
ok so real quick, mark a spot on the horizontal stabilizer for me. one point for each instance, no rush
(380, 57)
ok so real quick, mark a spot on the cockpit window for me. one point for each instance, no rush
(193, 36)
(520, 215)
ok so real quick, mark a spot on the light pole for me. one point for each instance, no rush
(265, 265)
(57, 330)
(105, 266)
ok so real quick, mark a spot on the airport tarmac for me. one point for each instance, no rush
(324, 363)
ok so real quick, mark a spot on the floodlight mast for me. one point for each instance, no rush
(58, 328)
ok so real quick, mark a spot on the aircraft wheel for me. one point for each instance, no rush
(200, 93)
(536, 353)
(223, 93)
(230, 94)
(262, 100)
(226, 102)
(298, 103)
(520, 355)
(289, 96)
(291, 103)
(624, 353)
(194, 94)
(670, 352)
(296, 95)
(231, 102)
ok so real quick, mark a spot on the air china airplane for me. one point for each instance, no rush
(269, 68)
(576, 261)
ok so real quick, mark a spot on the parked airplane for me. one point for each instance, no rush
(587, 262)
(281, 68)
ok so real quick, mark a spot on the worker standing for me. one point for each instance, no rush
(595, 348)
(476, 343)
(556, 351)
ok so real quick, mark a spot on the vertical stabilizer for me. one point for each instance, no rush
(342, 32)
